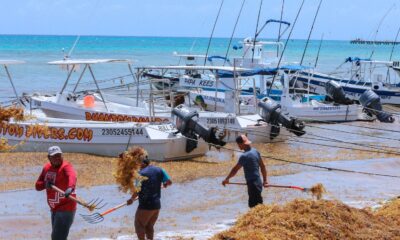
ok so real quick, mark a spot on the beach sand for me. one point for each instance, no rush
(197, 206)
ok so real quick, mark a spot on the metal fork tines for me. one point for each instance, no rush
(95, 204)
(93, 218)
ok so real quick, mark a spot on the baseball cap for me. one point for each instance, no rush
(53, 150)
(242, 139)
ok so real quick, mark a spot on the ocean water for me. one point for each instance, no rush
(37, 75)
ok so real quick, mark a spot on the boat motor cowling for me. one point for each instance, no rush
(336, 93)
(270, 112)
(192, 130)
(372, 106)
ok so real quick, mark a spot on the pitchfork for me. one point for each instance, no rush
(99, 217)
(94, 204)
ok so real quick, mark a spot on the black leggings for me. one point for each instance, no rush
(254, 189)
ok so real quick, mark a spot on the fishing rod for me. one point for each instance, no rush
(212, 32)
(255, 34)
(379, 26)
(233, 32)
(319, 49)
(309, 34)
(284, 48)
(391, 54)
(280, 26)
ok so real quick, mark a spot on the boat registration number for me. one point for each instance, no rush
(123, 131)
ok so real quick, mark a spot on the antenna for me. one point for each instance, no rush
(255, 34)
(233, 32)
(309, 34)
(280, 26)
(286, 43)
(379, 26)
(212, 32)
(319, 49)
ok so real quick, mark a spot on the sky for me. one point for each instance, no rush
(337, 19)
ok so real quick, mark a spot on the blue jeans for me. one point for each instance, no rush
(61, 223)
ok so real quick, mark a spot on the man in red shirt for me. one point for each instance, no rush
(61, 174)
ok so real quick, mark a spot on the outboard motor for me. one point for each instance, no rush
(190, 128)
(335, 92)
(270, 112)
(372, 106)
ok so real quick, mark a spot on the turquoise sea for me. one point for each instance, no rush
(37, 75)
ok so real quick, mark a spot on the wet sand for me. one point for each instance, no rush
(198, 208)
(197, 205)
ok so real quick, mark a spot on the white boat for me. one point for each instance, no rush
(93, 137)
(302, 106)
(115, 108)
(363, 74)
(99, 138)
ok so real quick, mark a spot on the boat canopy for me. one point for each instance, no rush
(10, 62)
(357, 59)
(188, 55)
(264, 71)
(210, 68)
(88, 61)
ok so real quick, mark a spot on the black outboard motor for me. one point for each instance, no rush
(372, 106)
(191, 129)
(270, 112)
(335, 92)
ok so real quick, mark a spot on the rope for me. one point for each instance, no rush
(294, 162)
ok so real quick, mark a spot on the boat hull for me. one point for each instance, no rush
(98, 138)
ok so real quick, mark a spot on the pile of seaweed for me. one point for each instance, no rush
(6, 113)
(127, 172)
(322, 219)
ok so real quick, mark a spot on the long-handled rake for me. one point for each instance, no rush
(278, 186)
(99, 217)
(92, 205)
(316, 190)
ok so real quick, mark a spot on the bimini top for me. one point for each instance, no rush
(10, 62)
(210, 68)
(264, 71)
(188, 55)
(88, 61)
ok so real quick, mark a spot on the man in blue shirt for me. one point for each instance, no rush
(149, 199)
(252, 163)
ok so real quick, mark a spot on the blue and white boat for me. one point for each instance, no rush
(382, 77)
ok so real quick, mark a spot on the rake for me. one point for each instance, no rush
(278, 186)
(92, 205)
(99, 217)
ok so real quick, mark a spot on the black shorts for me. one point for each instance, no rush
(254, 189)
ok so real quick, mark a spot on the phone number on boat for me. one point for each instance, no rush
(119, 132)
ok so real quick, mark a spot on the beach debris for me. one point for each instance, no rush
(390, 210)
(317, 191)
(308, 219)
(6, 113)
(128, 166)
(4, 146)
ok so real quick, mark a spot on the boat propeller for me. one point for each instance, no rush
(189, 127)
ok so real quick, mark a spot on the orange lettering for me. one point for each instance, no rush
(79, 134)
(88, 116)
(87, 134)
(20, 131)
(72, 133)
(61, 133)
